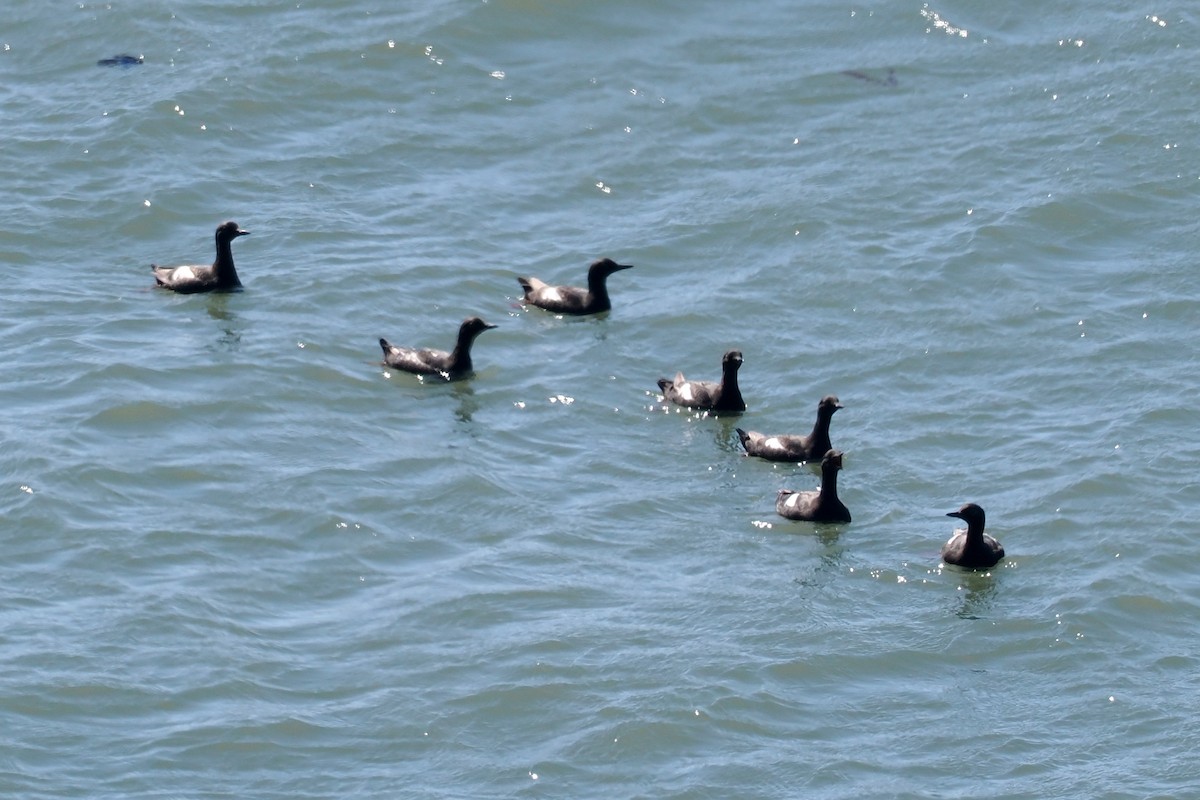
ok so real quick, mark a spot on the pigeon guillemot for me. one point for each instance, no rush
(220, 277)
(794, 448)
(971, 548)
(449, 365)
(723, 396)
(573, 299)
(818, 506)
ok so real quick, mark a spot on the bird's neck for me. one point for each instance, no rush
(223, 266)
(731, 395)
(598, 293)
(461, 355)
(829, 484)
(820, 435)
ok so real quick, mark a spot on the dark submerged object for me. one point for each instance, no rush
(123, 60)
(972, 548)
(819, 506)
(573, 299)
(220, 277)
(890, 80)
(794, 448)
(706, 395)
(422, 361)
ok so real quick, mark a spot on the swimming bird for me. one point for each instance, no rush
(422, 361)
(573, 299)
(971, 548)
(819, 506)
(723, 396)
(220, 277)
(794, 448)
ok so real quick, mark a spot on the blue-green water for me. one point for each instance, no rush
(241, 559)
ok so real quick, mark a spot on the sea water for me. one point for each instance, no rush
(242, 558)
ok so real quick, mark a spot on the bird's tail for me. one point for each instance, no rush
(744, 438)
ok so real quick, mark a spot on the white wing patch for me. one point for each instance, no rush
(182, 274)
(773, 443)
(792, 500)
(552, 295)
(685, 392)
